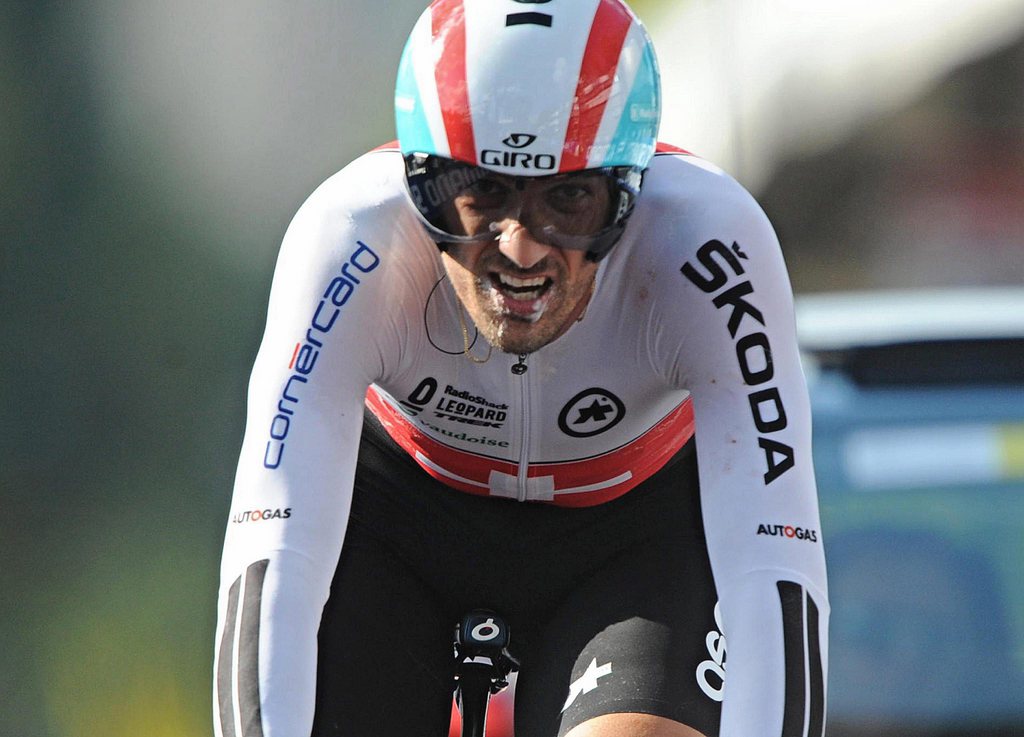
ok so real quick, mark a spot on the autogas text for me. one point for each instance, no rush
(258, 515)
(798, 533)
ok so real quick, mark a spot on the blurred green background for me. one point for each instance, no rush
(152, 155)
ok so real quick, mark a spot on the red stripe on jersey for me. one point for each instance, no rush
(448, 23)
(578, 483)
(668, 148)
(597, 73)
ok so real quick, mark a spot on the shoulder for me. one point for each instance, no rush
(695, 233)
(682, 190)
(686, 203)
(365, 202)
(369, 186)
(358, 220)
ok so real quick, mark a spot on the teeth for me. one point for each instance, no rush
(511, 281)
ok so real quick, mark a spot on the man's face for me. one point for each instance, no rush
(520, 294)
(520, 291)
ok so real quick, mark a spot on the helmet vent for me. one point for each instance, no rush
(528, 19)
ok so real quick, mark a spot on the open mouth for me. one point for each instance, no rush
(524, 297)
(521, 289)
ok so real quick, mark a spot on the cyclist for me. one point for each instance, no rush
(530, 360)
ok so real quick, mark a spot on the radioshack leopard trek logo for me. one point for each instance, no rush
(455, 405)
(591, 412)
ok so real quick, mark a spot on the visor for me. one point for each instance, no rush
(461, 203)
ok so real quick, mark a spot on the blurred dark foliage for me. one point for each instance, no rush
(126, 349)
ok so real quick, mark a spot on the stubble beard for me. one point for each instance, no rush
(519, 335)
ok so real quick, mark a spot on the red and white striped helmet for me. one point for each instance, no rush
(529, 87)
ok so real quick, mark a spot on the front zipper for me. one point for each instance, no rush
(519, 369)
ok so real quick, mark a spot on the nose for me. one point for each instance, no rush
(516, 243)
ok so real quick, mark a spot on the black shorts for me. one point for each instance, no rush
(609, 607)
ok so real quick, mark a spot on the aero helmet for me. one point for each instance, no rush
(527, 88)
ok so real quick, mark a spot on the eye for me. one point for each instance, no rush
(486, 193)
(571, 197)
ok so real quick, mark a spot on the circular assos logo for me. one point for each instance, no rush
(591, 412)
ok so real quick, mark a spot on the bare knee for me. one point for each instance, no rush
(632, 725)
